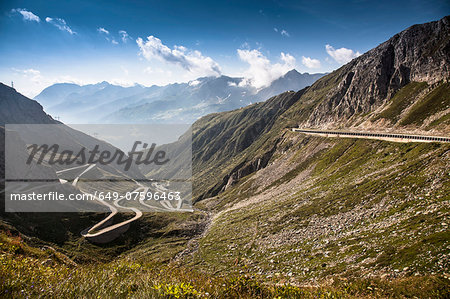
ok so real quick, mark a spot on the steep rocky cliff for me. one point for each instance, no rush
(417, 54)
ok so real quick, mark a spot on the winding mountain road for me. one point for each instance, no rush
(101, 234)
(95, 230)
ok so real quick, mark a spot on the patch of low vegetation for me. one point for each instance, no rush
(442, 121)
(436, 101)
(31, 274)
(401, 100)
(171, 231)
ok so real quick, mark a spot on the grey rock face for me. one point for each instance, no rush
(420, 53)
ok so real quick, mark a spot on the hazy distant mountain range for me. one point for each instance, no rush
(173, 103)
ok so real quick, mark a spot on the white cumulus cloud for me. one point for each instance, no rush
(60, 24)
(310, 62)
(192, 61)
(341, 55)
(261, 71)
(27, 15)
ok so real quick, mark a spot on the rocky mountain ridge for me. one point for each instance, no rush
(417, 54)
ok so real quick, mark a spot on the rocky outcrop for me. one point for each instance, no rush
(419, 53)
(247, 168)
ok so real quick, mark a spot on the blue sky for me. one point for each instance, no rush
(160, 42)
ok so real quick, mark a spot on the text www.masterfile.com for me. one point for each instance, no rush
(51, 196)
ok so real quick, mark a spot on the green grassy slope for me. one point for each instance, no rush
(339, 206)
(436, 101)
(224, 141)
(401, 100)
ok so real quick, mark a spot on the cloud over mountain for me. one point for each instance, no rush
(310, 62)
(192, 61)
(261, 71)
